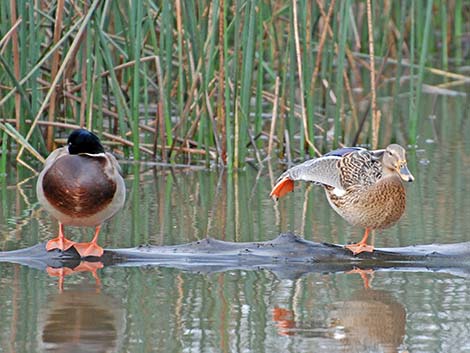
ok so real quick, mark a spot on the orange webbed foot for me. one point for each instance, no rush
(84, 266)
(87, 266)
(364, 275)
(60, 243)
(92, 267)
(89, 249)
(359, 247)
(283, 187)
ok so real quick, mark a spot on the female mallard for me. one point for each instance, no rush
(364, 187)
(80, 185)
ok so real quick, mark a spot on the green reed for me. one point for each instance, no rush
(3, 157)
(344, 6)
(195, 81)
(422, 62)
(458, 29)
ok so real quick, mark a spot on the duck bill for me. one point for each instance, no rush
(405, 174)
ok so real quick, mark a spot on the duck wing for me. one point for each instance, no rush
(57, 153)
(323, 170)
(339, 169)
(360, 168)
(340, 152)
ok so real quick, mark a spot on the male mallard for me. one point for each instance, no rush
(80, 185)
(364, 187)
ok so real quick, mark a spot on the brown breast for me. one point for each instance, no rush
(77, 186)
(378, 206)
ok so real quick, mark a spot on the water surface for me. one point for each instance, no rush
(159, 309)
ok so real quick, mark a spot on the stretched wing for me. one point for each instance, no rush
(326, 169)
(323, 170)
(338, 169)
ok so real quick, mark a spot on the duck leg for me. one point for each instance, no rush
(362, 245)
(92, 267)
(61, 242)
(91, 248)
(364, 275)
(61, 273)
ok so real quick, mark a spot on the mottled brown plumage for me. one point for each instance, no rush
(364, 187)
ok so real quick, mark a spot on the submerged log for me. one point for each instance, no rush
(287, 255)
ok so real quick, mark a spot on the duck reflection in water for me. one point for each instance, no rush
(80, 319)
(82, 266)
(371, 320)
(285, 322)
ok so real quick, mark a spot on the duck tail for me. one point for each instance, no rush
(282, 187)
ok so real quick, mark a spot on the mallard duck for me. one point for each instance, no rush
(364, 187)
(80, 185)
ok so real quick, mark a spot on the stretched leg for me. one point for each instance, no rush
(362, 245)
(60, 242)
(91, 248)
